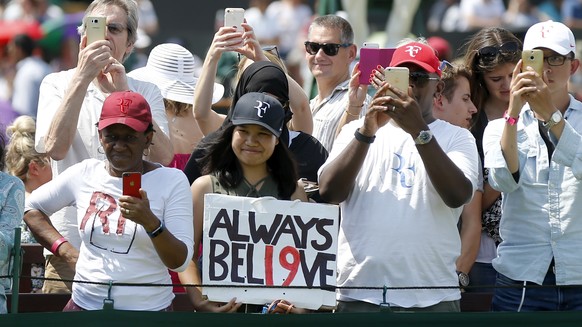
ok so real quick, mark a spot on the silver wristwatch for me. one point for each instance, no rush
(463, 279)
(423, 138)
(555, 118)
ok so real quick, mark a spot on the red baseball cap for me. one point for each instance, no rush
(419, 54)
(128, 108)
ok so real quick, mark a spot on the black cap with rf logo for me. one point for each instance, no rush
(259, 109)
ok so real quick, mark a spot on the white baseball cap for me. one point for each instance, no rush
(551, 35)
(172, 68)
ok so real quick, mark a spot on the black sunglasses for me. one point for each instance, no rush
(420, 79)
(490, 52)
(330, 49)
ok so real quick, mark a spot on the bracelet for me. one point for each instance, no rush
(363, 138)
(57, 244)
(156, 231)
(510, 120)
(350, 114)
(356, 106)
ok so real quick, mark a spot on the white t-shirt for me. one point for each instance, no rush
(396, 231)
(86, 141)
(90, 189)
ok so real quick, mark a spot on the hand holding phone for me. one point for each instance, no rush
(534, 59)
(397, 77)
(131, 183)
(234, 17)
(95, 28)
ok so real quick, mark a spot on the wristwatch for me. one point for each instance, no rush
(423, 137)
(555, 118)
(463, 279)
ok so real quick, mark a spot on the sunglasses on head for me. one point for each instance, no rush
(420, 79)
(330, 49)
(272, 49)
(491, 51)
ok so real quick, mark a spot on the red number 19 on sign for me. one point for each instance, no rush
(292, 266)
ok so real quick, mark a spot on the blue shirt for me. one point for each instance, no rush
(11, 212)
(542, 212)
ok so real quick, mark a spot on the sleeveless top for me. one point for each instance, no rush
(269, 188)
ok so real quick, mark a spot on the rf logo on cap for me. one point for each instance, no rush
(413, 50)
(123, 104)
(262, 108)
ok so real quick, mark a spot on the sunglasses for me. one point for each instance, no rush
(420, 79)
(272, 49)
(330, 49)
(490, 52)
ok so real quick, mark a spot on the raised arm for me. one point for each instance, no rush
(338, 176)
(357, 99)
(95, 62)
(302, 119)
(226, 39)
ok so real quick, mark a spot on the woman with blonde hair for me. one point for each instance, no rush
(22, 160)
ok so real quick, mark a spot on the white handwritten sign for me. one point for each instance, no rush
(263, 242)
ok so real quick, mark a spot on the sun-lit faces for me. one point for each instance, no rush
(460, 109)
(253, 144)
(124, 147)
(324, 66)
(498, 82)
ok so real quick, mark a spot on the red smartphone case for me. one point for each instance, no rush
(370, 58)
(131, 184)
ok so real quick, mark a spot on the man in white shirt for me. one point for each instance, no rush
(69, 107)
(330, 50)
(401, 178)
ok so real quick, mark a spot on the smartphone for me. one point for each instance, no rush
(397, 77)
(95, 28)
(533, 58)
(371, 55)
(131, 183)
(234, 17)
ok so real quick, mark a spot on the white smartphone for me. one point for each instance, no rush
(371, 45)
(397, 77)
(234, 17)
(533, 58)
(95, 28)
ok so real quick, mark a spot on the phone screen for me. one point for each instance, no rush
(131, 184)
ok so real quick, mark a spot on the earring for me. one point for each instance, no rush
(100, 149)
(146, 152)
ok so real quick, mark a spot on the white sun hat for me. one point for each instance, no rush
(171, 67)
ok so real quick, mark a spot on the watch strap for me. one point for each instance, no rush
(157, 231)
(363, 138)
(510, 120)
(552, 122)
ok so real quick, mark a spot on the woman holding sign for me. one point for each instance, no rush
(246, 159)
